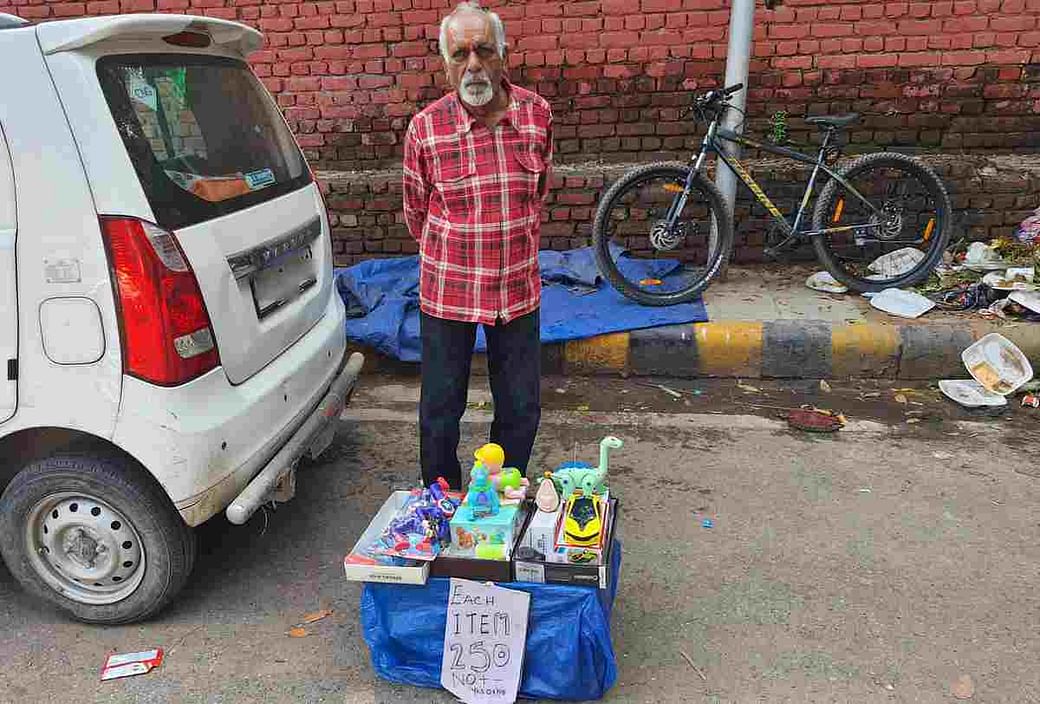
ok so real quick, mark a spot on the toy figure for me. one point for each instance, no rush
(547, 498)
(421, 527)
(506, 480)
(570, 476)
(481, 496)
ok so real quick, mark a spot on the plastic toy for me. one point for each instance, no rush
(481, 496)
(547, 498)
(422, 527)
(571, 476)
(582, 521)
(508, 481)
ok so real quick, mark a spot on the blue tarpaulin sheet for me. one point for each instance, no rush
(382, 299)
(569, 654)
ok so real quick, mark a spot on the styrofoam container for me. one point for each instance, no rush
(970, 393)
(905, 304)
(997, 364)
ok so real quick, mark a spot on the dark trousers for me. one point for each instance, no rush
(515, 365)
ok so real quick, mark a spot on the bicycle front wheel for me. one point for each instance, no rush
(886, 226)
(654, 259)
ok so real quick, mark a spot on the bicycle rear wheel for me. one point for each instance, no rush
(893, 239)
(641, 256)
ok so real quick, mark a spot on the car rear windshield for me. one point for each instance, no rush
(205, 137)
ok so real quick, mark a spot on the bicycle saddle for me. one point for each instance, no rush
(833, 121)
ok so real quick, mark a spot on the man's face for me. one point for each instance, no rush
(473, 64)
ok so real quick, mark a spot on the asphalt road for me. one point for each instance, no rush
(878, 564)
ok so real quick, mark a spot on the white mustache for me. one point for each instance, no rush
(471, 78)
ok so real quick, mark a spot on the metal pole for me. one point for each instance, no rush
(738, 56)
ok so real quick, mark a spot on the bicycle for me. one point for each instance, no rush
(883, 203)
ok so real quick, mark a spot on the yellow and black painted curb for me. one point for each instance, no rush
(786, 349)
(777, 349)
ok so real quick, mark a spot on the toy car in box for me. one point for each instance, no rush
(533, 565)
(573, 534)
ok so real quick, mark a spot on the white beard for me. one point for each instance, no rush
(477, 95)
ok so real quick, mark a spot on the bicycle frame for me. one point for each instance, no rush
(710, 145)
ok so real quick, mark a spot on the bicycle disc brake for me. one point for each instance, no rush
(664, 238)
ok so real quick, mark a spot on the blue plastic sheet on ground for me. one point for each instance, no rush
(382, 299)
(568, 656)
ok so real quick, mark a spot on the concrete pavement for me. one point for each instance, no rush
(875, 565)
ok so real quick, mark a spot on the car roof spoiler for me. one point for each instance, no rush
(69, 35)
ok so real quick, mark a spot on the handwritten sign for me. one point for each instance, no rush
(484, 642)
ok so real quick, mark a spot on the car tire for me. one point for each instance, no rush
(95, 535)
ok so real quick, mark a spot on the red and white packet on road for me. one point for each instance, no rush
(130, 664)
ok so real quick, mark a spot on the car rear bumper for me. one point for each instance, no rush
(278, 476)
(206, 440)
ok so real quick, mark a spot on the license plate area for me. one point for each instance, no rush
(279, 285)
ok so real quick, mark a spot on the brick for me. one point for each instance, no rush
(877, 60)
(832, 30)
(960, 58)
(1012, 23)
(619, 39)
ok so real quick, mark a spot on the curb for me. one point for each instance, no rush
(778, 349)
(790, 349)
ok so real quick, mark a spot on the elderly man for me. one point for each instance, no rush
(476, 171)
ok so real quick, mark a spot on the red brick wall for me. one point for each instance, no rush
(950, 74)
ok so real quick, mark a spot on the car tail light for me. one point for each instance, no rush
(166, 331)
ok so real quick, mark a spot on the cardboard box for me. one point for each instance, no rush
(362, 567)
(452, 564)
(540, 571)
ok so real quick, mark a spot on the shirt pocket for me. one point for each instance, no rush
(530, 174)
(455, 180)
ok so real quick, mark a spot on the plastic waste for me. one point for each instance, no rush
(1014, 279)
(982, 257)
(970, 393)
(823, 281)
(897, 263)
(1027, 299)
(997, 364)
(905, 304)
(1028, 232)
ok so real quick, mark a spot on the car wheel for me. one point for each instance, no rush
(95, 535)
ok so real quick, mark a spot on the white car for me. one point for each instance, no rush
(171, 339)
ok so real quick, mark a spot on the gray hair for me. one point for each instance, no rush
(471, 6)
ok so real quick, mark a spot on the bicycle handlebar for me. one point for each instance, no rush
(714, 96)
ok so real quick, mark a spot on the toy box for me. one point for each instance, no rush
(532, 566)
(544, 535)
(487, 537)
(362, 565)
(464, 564)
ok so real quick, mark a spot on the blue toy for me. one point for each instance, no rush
(482, 498)
(422, 526)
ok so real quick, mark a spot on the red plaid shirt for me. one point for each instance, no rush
(473, 200)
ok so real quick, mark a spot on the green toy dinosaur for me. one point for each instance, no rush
(581, 475)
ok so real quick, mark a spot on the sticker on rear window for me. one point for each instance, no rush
(260, 179)
(143, 93)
